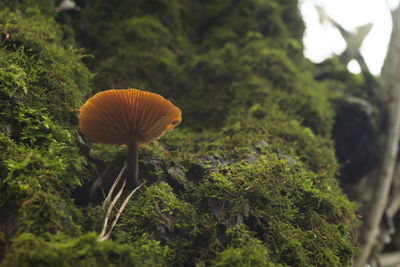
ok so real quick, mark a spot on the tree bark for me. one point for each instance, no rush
(391, 80)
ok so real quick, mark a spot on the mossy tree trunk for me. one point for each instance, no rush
(248, 178)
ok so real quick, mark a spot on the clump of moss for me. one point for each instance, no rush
(287, 208)
(31, 7)
(158, 211)
(85, 250)
(244, 250)
(41, 83)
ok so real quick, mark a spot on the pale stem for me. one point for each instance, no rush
(110, 209)
(121, 209)
(105, 202)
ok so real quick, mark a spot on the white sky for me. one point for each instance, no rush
(321, 41)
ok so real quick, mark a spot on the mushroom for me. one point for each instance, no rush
(128, 117)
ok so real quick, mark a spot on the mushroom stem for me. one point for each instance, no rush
(133, 162)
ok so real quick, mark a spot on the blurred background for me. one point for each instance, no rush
(363, 36)
(349, 15)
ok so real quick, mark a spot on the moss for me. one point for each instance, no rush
(30, 7)
(158, 211)
(279, 202)
(61, 250)
(245, 250)
(41, 82)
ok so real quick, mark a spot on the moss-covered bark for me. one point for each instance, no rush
(248, 179)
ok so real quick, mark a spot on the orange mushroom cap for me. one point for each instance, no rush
(117, 116)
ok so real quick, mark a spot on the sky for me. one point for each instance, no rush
(323, 40)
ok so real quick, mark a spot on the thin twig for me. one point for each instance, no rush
(105, 202)
(110, 209)
(119, 213)
(394, 206)
(102, 191)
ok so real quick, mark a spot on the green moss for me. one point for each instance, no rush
(245, 250)
(30, 7)
(61, 250)
(286, 207)
(158, 211)
(41, 83)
